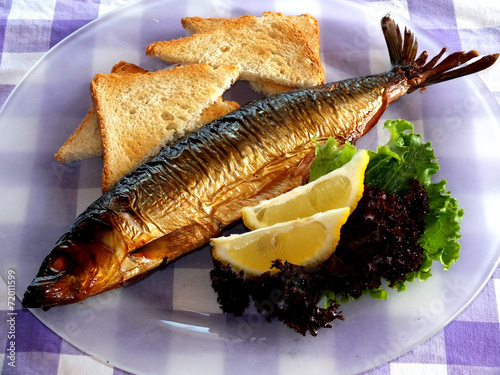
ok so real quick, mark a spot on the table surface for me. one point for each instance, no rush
(470, 344)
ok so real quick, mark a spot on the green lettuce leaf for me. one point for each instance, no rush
(404, 157)
(329, 157)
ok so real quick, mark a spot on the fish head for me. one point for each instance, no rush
(83, 263)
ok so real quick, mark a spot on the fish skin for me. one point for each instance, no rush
(190, 191)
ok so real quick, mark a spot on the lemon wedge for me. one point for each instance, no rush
(342, 187)
(306, 242)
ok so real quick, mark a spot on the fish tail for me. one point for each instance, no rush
(403, 49)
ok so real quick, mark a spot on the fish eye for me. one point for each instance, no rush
(59, 262)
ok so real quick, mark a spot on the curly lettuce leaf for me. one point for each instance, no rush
(442, 226)
(403, 157)
(329, 157)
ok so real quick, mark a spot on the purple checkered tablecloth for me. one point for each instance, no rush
(470, 344)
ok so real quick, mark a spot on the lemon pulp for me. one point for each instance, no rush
(319, 199)
(258, 253)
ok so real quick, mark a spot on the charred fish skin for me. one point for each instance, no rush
(190, 191)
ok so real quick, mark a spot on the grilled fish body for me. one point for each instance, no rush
(187, 194)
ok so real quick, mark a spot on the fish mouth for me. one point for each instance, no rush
(49, 291)
(55, 284)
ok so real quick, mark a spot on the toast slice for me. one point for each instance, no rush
(270, 48)
(84, 143)
(86, 140)
(307, 24)
(139, 114)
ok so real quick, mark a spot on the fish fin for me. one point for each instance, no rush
(178, 242)
(403, 51)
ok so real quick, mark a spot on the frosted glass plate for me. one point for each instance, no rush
(170, 321)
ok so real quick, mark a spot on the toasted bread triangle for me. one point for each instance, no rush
(86, 141)
(307, 24)
(139, 114)
(268, 49)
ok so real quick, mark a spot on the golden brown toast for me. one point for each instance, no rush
(139, 114)
(267, 49)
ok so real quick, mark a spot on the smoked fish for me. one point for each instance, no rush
(190, 191)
